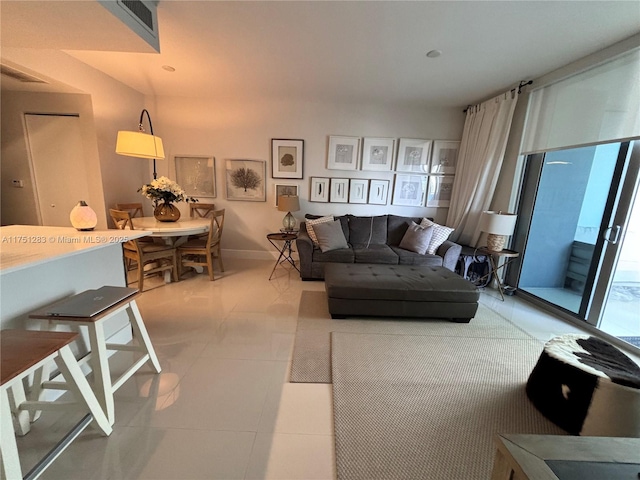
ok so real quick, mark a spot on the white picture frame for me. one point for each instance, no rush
(440, 190)
(196, 175)
(319, 189)
(343, 153)
(287, 158)
(409, 190)
(378, 192)
(246, 179)
(284, 189)
(358, 190)
(413, 155)
(378, 154)
(339, 190)
(445, 157)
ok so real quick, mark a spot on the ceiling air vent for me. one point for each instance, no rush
(18, 75)
(141, 12)
(141, 16)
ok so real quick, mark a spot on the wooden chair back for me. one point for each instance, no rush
(201, 210)
(134, 209)
(215, 229)
(121, 219)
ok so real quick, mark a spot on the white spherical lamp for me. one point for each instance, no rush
(83, 217)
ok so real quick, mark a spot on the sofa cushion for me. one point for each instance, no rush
(397, 227)
(343, 255)
(368, 230)
(440, 235)
(405, 257)
(312, 223)
(330, 236)
(374, 254)
(416, 238)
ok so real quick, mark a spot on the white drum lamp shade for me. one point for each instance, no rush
(499, 226)
(139, 144)
(288, 203)
(83, 217)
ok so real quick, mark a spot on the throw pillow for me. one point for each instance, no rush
(417, 238)
(330, 236)
(317, 221)
(440, 235)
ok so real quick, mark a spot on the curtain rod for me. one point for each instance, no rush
(519, 90)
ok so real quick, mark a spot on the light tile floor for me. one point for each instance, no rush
(222, 407)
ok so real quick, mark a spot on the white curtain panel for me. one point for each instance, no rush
(484, 139)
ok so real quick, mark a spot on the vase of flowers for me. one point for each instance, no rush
(164, 193)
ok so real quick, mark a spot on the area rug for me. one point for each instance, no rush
(428, 407)
(311, 361)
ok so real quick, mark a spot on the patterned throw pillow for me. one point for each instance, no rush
(440, 235)
(311, 223)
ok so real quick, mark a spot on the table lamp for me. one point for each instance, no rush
(141, 144)
(288, 203)
(499, 226)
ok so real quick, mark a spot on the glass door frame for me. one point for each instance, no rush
(615, 217)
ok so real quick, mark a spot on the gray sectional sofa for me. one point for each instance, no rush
(372, 240)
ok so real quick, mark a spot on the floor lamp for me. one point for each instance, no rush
(141, 144)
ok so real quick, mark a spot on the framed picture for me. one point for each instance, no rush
(285, 190)
(410, 190)
(413, 155)
(440, 188)
(245, 180)
(445, 157)
(343, 153)
(319, 191)
(287, 157)
(378, 192)
(339, 190)
(377, 154)
(196, 175)
(358, 190)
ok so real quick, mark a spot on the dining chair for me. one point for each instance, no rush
(134, 209)
(144, 253)
(203, 251)
(201, 210)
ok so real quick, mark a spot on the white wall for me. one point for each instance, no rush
(239, 130)
(115, 107)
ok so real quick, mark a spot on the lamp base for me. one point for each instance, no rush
(289, 222)
(496, 243)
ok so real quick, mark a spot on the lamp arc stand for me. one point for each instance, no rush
(141, 128)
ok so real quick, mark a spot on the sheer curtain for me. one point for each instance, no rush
(484, 139)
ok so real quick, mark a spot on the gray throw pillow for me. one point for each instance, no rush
(330, 236)
(417, 238)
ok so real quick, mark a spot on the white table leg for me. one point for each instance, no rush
(101, 373)
(8, 446)
(140, 331)
(21, 418)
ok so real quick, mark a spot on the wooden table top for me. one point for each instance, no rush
(22, 349)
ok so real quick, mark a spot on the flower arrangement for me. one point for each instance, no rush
(165, 190)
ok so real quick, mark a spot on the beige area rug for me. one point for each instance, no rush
(428, 407)
(311, 361)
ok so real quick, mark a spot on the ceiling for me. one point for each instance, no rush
(359, 51)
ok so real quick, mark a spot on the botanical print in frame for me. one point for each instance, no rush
(339, 190)
(378, 192)
(413, 155)
(291, 190)
(358, 190)
(245, 180)
(319, 189)
(445, 157)
(377, 154)
(343, 153)
(196, 175)
(440, 188)
(410, 190)
(287, 157)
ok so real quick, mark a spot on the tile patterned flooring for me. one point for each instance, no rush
(222, 407)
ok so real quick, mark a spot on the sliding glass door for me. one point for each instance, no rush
(575, 218)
